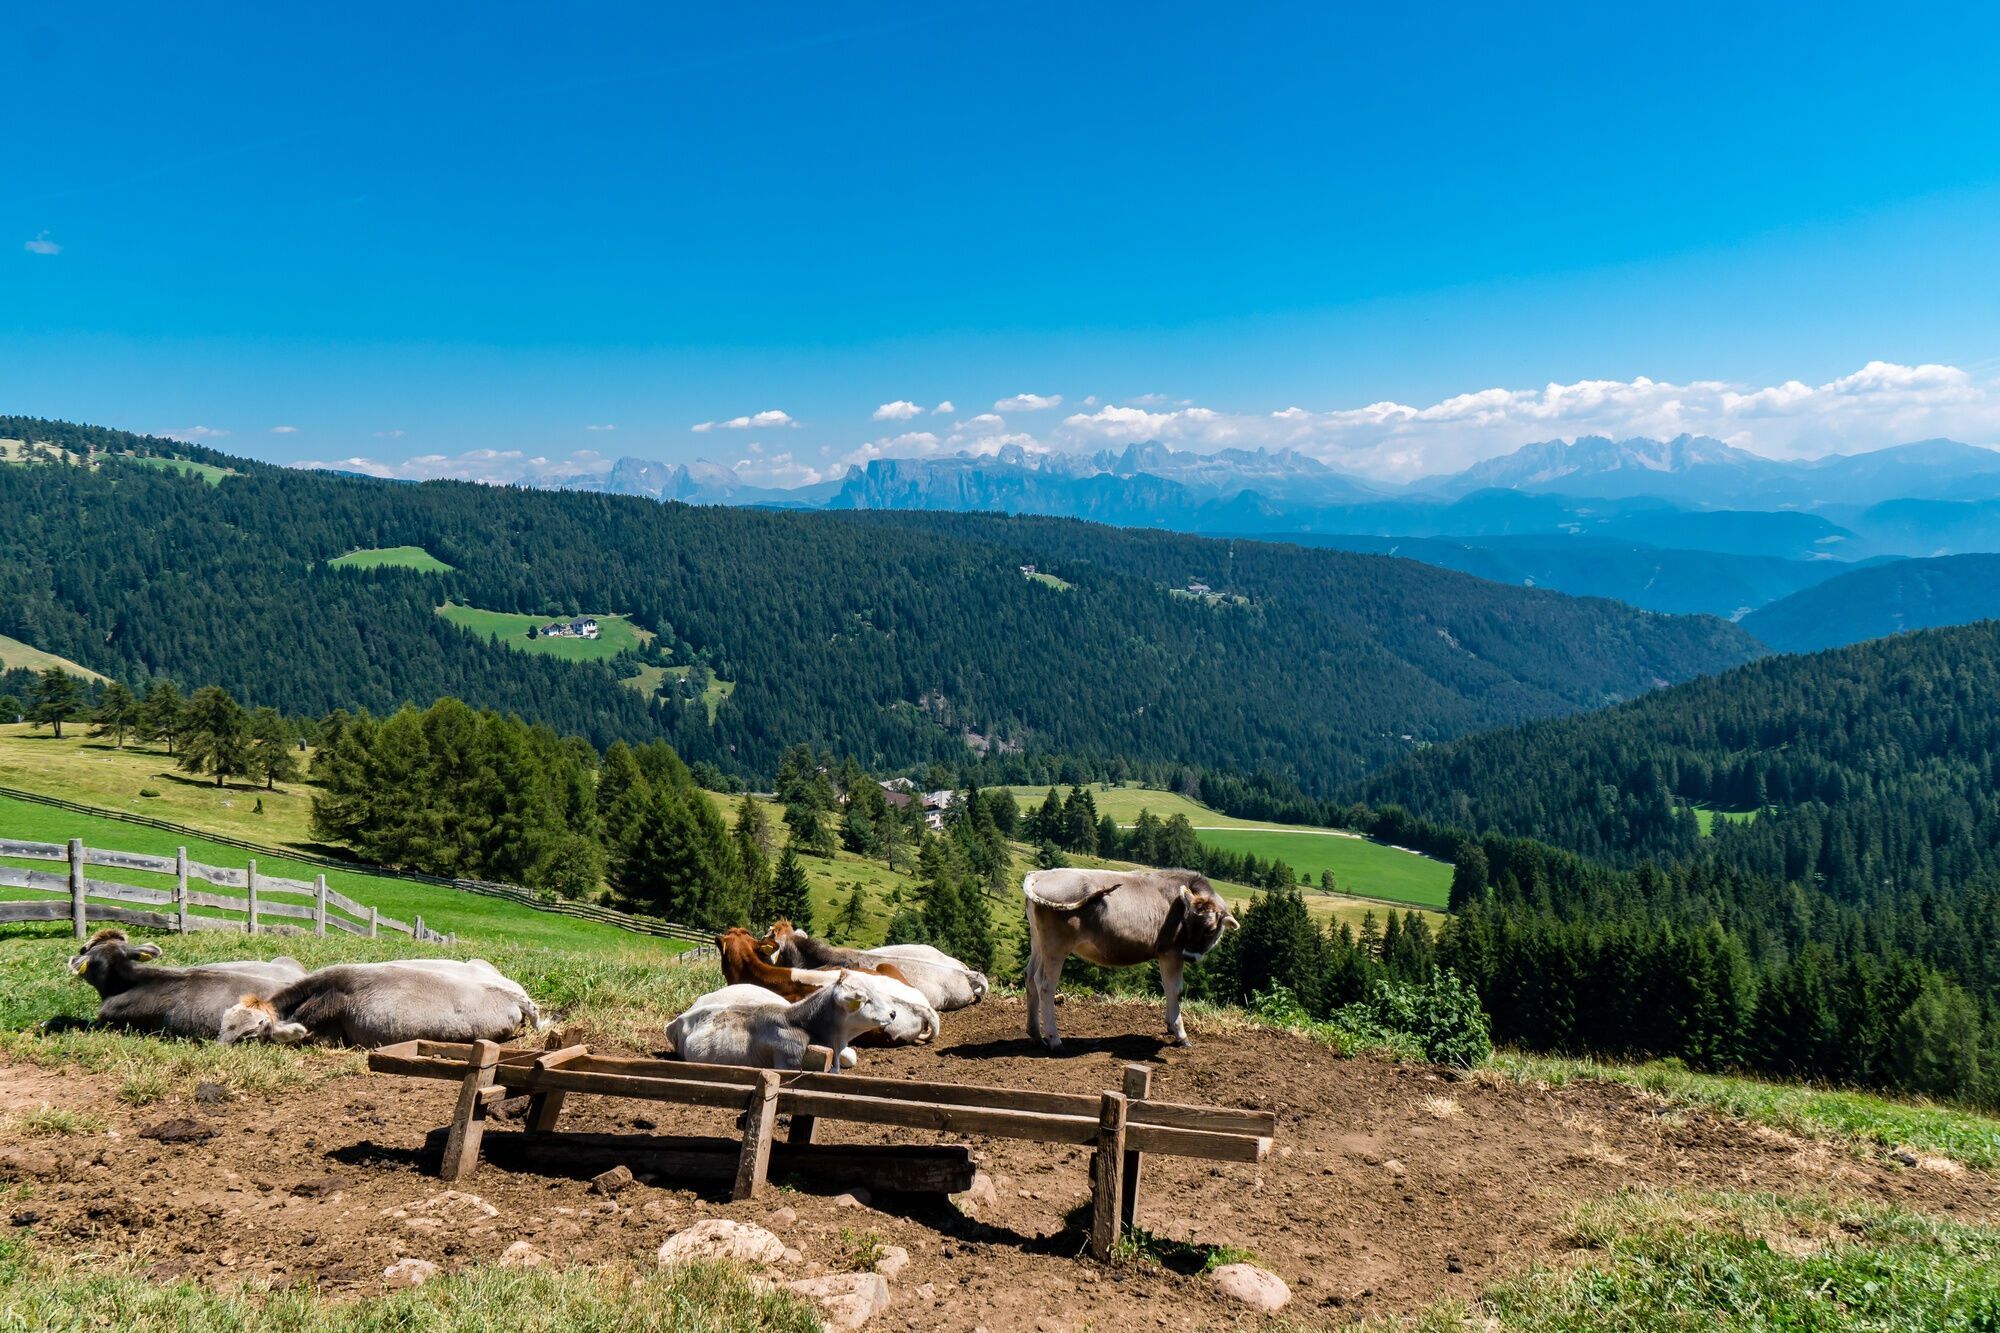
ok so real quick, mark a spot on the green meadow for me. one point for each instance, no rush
(414, 558)
(617, 633)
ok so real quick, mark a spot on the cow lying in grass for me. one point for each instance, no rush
(749, 1025)
(1117, 918)
(377, 1004)
(176, 1001)
(741, 965)
(947, 983)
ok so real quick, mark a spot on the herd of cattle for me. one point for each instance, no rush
(786, 991)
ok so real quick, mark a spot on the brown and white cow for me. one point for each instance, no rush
(1117, 918)
(947, 983)
(743, 965)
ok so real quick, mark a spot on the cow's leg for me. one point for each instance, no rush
(1170, 981)
(1048, 963)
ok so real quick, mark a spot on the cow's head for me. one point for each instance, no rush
(781, 933)
(107, 955)
(253, 1019)
(1207, 918)
(872, 1004)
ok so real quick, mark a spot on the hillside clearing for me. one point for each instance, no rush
(617, 634)
(14, 653)
(414, 558)
(208, 472)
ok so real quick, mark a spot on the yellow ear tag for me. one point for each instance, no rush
(78, 963)
(853, 1003)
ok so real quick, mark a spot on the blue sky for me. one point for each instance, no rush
(469, 234)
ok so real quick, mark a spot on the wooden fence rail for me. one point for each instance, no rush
(640, 925)
(260, 906)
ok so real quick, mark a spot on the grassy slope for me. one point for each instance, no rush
(392, 557)
(1358, 865)
(208, 472)
(14, 653)
(1706, 815)
(617, 633)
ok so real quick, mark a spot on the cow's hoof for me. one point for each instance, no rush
(1178, 1041)
(1052, 1043)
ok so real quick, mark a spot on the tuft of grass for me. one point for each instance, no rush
(1443, 1108)
(860, 1251)
(1867, 1119)
(144, 1086)
(99, 1292)
(1750, 1262)
(1144, 1248)
(54, 1122)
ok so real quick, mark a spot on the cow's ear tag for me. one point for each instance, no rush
(853, 1002)
(78, 963)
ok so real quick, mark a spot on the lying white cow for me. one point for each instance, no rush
(749, 1025)
(1117, 918)
(378, 1004)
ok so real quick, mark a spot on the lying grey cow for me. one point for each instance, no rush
(177, 1001)
(947, 983)
(378, 1004)
(748, 1025)
(1117, 918)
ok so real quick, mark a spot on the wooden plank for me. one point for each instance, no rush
(319, 904)
(32, 851)
(46, 909)
(1212, 1119)
(53, 909)
(819, 1060)
(290, 911)
(279, 884)
(340, 923)
(374, 923)
(221, 902)
(685, 1092)
(1039, 1126)
(468, 1124)
(1197, 1143)
(896, 1168)
(952, 1094)
(345, 903)
(76, 883)
(125, 893)
(1138, 1084)
(760, 1118)
(158, 865)
(220, 876)
(1107, 1176)
(545, 1108)
(42, 881)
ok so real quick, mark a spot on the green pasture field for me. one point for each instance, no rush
(479, 921)
(14, 653)
(414, 558)
(208, 472)
(1706, 815)
(1359, 866)
(617, 633)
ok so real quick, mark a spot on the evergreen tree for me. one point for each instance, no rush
(271, 756)
(117, 712)
(847, 925)
(791, 895)
(59, 697)
(10, 708)
(160, 714)
(217, 736)
(1468, 877)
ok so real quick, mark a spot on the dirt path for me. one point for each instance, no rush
(1392, 1186)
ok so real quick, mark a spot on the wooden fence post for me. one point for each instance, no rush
(76, 886)
(250, 889)
(819, 1060)
(319, 904)
(1138, 1085)
(417, 929)
(374, 922)
(468, 1124)
(1107, 1176)
(759, 1119)
(181, 888)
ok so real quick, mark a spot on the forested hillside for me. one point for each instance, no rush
(1881, 599)
(884, 636)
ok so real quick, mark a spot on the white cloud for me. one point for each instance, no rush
(1028, 402)
(900, 410)
(195, 434)
(756, 421)
(779, 469)
(41, 245)
(1127, 424)
(944, 409)
(284, 430)
(608, 426)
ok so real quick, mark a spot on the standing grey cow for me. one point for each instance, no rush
(379, 1004)
(1117, 918)
(177, 1001)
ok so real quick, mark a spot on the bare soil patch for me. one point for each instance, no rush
(1393, 1186)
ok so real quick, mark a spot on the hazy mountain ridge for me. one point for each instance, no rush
(1879, 600)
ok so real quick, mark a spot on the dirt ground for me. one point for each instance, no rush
(1391, 1186)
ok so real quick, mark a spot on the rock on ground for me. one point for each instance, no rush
(720, 1238)
(845, 1300)
(522, 1255)
(1258, 1288)
(409, 1272)
(893, 1261)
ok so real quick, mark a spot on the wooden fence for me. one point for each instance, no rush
(639, 925)
(263, 905)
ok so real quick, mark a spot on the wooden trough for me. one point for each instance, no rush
(1121, 1126)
